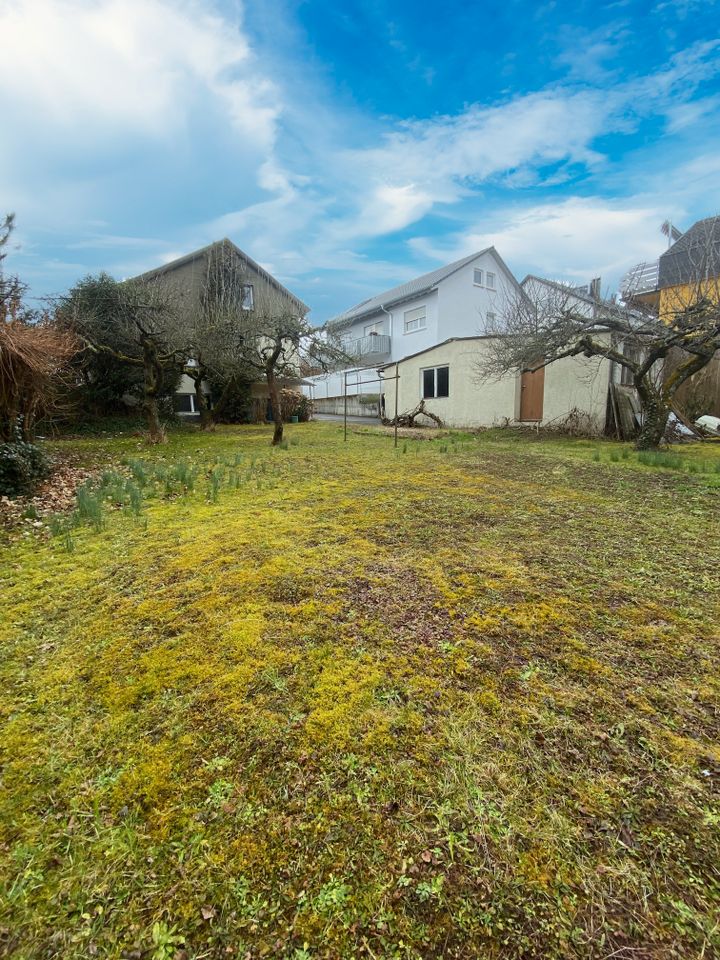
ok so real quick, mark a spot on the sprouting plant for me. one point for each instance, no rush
(430, 889)
(139, 472)
(331, 896)
(89, 506)
(165, 941)
(135, 497)
(219, 793)
(56, 526)
(217, 764)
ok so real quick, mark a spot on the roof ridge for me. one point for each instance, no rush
(412, 287)
(201, 251)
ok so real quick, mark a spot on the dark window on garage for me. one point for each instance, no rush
(435, 382)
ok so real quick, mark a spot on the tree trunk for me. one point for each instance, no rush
(153, 380)
(206, 420)
(655, 416)
(274, 394)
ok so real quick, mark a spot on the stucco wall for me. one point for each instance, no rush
(569, 384)
(463, 306)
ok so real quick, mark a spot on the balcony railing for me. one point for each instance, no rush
(374, 345)
(642, 278)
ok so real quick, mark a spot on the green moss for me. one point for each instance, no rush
(334, 702)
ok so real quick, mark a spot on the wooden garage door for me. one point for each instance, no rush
(532, 394)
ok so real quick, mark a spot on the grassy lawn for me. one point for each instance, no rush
(458, 700)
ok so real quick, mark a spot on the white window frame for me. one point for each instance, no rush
(477, 272)
(423, 371)
(248, 297)
(489, 279)
(419, 321)
(373, 328)
(490, 317)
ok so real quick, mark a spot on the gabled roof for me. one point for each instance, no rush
(219, 244)
(562, 287)
(695, 256)
(413, 288)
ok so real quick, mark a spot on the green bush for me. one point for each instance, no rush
(305, 409)
(22, 466)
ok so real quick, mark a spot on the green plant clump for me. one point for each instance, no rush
(22, 466)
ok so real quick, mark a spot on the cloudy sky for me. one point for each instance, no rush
(349, 146)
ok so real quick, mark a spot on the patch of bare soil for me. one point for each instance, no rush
(409, 433)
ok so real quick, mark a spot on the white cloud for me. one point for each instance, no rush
(110, 66)
(577, 238)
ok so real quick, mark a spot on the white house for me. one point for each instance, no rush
(452, 301)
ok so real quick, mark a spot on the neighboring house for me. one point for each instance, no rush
(446, 377)
(452, 301)
(188, 279)
(688, 269)
(586, 301)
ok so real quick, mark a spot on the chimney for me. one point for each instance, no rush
(595, 288)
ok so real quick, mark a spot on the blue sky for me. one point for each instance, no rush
(350, 146)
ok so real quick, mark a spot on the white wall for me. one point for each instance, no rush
(463, 306)
(570, 383)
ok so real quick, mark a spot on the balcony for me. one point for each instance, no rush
(641, 279)
(373, 346)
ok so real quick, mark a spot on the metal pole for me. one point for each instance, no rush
(397, 388)
(345, 406)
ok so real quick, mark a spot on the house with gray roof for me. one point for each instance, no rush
(451, 301)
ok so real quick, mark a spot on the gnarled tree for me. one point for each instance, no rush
(540, 326)
(136, 323)
(256, 332)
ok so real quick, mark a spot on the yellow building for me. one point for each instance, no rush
(687, 273)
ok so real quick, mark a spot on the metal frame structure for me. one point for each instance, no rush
(358, 383)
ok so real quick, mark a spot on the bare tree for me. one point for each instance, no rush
(256, 331)
(542, 325)
(137, 323)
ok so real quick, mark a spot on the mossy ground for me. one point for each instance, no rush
(458, 700)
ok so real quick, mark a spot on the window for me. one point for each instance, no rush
(490, 280)
(183, 403)
(373, 328)
(247, 297)
(478, 277)
(490, 317)
(414, 320)
(435, 382)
